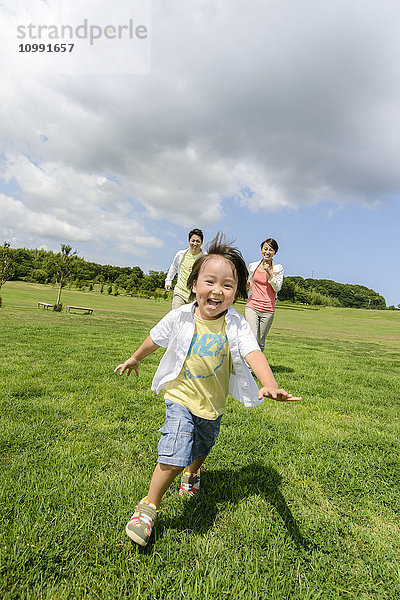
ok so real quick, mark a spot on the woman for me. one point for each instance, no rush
(265, 281)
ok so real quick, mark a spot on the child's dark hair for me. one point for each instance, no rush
(220, 247)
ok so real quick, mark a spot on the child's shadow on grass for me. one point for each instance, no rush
(232, 486)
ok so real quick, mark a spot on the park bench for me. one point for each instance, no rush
(45, 305)
(69, 308)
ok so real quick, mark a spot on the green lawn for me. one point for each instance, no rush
(298, 501)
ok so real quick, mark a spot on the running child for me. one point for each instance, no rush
(209, 348)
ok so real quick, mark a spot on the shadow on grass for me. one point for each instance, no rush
(231, 487)
(281, 369)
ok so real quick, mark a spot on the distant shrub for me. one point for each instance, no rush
(58, 307)
(80, 285)
(317, 298)
(39, 275)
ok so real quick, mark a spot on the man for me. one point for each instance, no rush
(182, 264)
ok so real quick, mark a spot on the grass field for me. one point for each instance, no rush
(298, 501)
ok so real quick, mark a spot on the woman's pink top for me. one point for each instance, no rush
(263, 296)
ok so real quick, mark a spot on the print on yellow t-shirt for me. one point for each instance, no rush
(203, 383)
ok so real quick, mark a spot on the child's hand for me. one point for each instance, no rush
(132, 364)
(277, 394)
(129, 365)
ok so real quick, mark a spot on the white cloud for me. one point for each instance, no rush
(17, 216)
(60, 203)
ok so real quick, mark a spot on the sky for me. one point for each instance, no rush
(257, 118)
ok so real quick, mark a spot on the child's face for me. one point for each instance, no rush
(215, 287)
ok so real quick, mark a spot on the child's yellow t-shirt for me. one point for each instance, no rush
(203, 383)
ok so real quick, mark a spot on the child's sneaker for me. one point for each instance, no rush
(140, 526)
(190, 484)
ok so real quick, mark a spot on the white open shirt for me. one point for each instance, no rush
(175, 332)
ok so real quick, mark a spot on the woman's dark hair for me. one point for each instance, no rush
(220, 247)
(271, 242)
(196, 232)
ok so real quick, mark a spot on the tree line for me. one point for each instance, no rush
(330, 293)
(45, 266)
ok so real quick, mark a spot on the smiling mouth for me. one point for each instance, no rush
(213, 303)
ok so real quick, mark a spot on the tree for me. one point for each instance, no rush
(7, 265)
(287, 290)
(63, 267)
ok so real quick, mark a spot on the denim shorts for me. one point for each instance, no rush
(185, 437)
